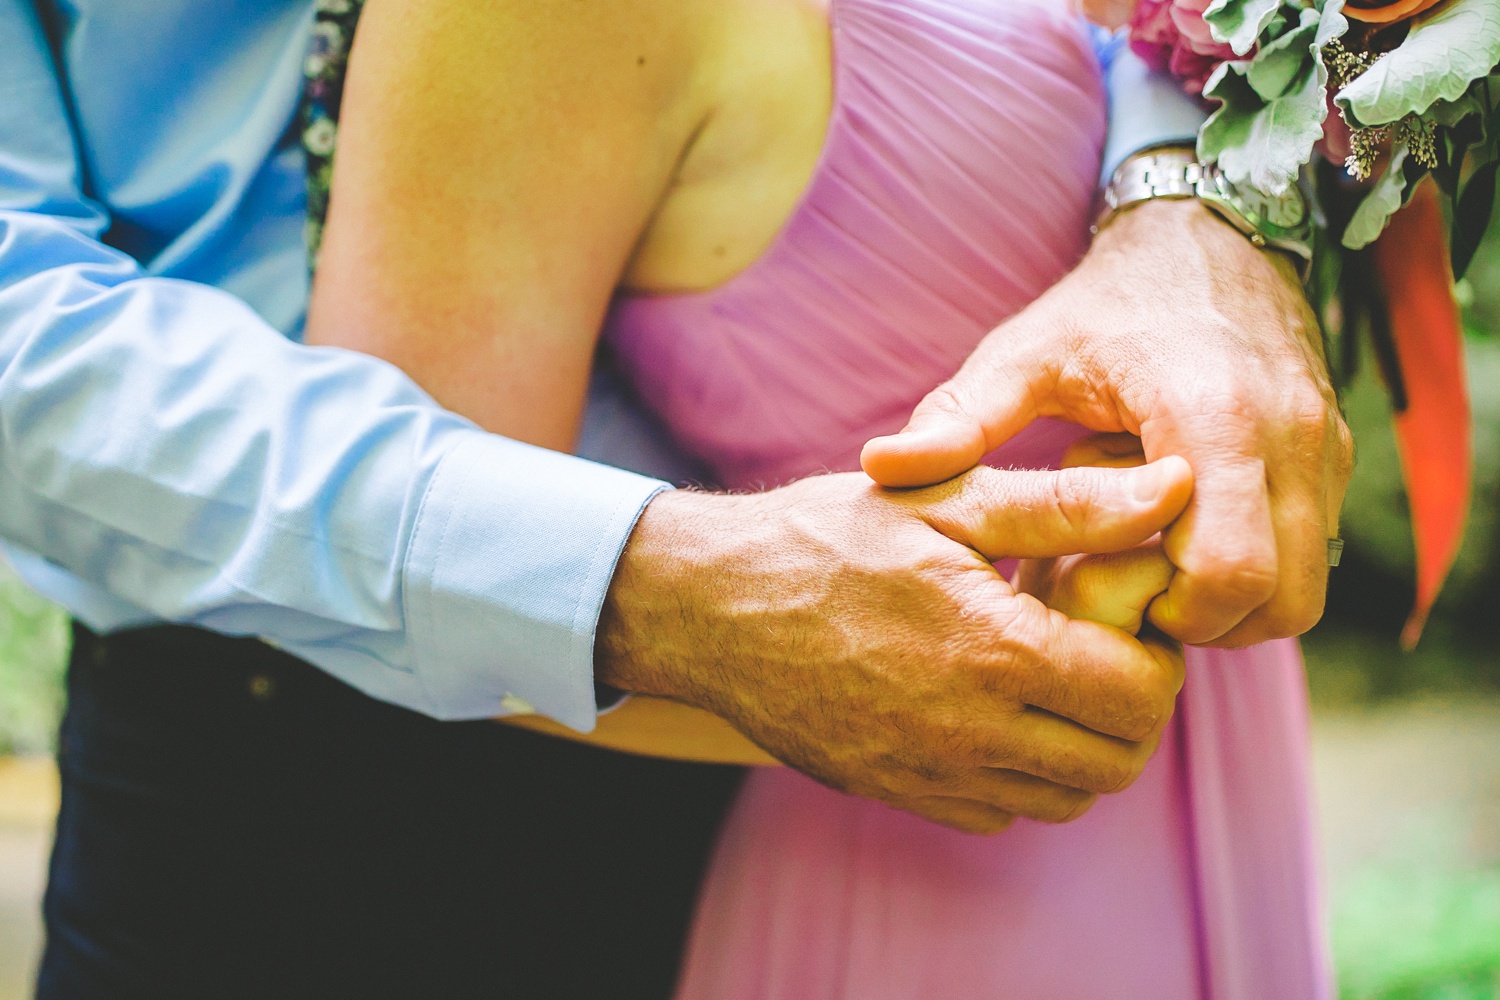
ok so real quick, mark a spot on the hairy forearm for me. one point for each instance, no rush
(652, 638)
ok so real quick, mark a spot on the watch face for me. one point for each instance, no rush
(1286, 211)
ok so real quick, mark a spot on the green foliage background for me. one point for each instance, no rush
(33, 644)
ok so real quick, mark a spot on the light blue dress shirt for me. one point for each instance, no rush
(170, 452)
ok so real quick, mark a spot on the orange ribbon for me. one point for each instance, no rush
(1385, 14)
(1434, 433)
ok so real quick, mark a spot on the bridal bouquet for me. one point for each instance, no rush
(1362, 101)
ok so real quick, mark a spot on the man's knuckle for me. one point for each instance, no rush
(1234, 573)
(1078, 807)
(1062, 806)
(1114, 775)
(1294, 614)
(1310, 413)
(1019, 662)
(1139, 722)
(1147, 704)
(949, 398)
(1343, 449)
(1075, 495)
(1213, 399)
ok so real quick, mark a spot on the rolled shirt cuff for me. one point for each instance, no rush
(1145, 109)
(509, 563)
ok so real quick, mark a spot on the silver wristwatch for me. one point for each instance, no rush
(1281, 223)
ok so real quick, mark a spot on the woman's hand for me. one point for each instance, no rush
(1114, 588)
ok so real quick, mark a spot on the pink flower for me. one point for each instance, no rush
(1337, 141)
(1171, 36)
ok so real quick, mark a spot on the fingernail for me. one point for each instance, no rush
(1155, 479)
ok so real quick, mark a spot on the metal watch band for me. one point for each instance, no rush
(1161, 173)
(1174, 172)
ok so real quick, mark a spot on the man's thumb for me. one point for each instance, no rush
(949, 432)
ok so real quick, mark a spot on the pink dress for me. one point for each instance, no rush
(956, 184)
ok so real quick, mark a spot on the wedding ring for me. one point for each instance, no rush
(1335, 551)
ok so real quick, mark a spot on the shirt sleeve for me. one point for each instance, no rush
(1145, 108)
(162, 442)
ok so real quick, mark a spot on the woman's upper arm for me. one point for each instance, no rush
(497, 163)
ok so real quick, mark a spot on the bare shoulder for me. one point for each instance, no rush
(509, 164)
(765, 73)
(497, 164)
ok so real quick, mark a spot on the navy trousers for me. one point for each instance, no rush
(237, 824)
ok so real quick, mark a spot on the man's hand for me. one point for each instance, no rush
(863, 636)
(1176, 329)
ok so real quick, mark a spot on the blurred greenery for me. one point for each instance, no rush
(1413, 931)
(1413, 935)
(33, 645)
(1427, 928)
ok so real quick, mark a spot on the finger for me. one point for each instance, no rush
(954, 426)
(1099, 677)
(1107, 451)
(1037, 577)
(1305, 508)
(1061, 752)
(1224, 546)
(1300, 514)
(1004, 514)
(1017, 793)
(961, 814)
(1026, 795)
(1113, 588)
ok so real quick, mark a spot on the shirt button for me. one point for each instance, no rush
(262, 687)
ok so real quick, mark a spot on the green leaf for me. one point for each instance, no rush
(1450, 113)
(1263, 141)
(1258, 143)
(1471, 216)
(1332, 24)
(1462, 127)
(1446, 50)
(1272, 106)
(1281, 61)
(1238, 23)
(1388, 195)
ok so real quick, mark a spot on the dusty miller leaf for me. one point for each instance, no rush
(1377, 207)
(1238, 23)
(1258, 143)
(1444, 53)
(1270, 118)
(1283, 59)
